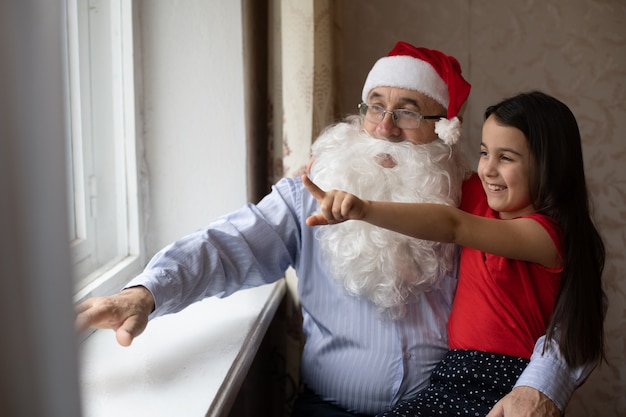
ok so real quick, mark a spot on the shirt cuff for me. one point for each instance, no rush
(549, 373)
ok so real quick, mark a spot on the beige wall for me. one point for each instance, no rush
(574, 50)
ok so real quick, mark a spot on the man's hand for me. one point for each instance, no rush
(525, 402)
(126, 312)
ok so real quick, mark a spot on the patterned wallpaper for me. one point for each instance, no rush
(574, 50)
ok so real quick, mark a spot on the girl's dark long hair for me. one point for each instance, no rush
(558, 189)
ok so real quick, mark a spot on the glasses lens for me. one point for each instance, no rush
(373, 112)
(407, 119)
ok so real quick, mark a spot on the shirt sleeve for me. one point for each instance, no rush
(549, 373)
(247, 248)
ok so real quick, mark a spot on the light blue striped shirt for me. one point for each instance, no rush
(353, 356)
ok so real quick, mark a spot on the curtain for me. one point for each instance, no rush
(290, 96)
(289, 86)
(256, 69)
(302, 82)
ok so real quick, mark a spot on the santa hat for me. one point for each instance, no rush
(430, 72)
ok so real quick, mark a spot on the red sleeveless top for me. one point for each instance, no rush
(501, 305)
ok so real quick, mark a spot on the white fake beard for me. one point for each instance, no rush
(384, 266)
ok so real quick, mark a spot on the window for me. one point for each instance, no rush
(101, 146)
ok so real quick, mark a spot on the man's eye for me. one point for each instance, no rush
(376, 108)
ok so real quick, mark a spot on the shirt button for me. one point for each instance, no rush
(406, 355)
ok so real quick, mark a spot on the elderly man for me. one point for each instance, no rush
(374, 303)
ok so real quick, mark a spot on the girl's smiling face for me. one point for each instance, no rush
(504, 169)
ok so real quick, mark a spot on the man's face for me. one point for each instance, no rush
(392, 98)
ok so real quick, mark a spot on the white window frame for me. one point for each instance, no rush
(108, 24)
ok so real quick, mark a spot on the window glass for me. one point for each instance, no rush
(101, 146)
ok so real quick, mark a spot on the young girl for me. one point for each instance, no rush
(532, 259)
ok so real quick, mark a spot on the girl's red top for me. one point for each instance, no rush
(501, 305)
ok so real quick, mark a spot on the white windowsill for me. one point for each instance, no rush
(191, 363)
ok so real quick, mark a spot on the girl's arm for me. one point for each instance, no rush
(522, 238)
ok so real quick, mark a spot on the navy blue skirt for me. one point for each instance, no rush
(465, 383)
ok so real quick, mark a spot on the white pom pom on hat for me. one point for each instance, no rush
(428, 71)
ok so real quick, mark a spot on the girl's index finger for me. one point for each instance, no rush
(315, 191)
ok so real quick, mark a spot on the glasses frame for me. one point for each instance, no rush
(363, 107)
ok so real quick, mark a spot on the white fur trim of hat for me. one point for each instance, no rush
(402, 71)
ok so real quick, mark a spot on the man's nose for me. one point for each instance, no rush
(387, 129)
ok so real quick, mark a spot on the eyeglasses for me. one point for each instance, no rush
(404, 119)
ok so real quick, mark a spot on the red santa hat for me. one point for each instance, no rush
(428, 71)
